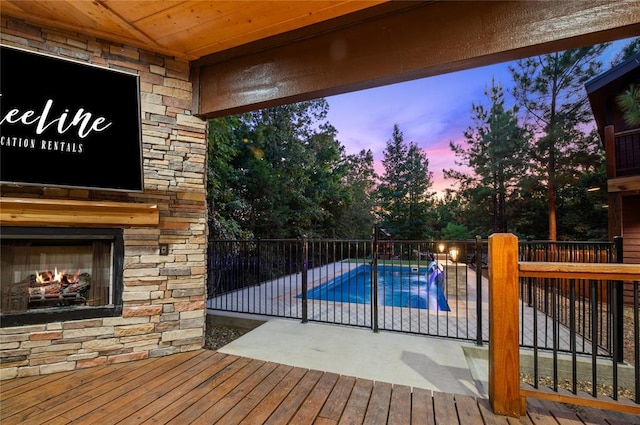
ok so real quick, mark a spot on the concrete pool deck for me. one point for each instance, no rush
(417, 361)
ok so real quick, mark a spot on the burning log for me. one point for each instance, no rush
(48, 286)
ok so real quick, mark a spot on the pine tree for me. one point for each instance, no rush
(276, 173)
(628, 50)
(629, 99)
(550, 89)
(405, 200)
(629, 103)
(495, 152)
(359, 181)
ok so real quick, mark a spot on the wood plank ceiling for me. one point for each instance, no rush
(185, 29)
(247, 54)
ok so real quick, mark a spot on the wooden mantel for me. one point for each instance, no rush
(74, 213)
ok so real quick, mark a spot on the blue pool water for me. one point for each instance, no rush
(398, 286)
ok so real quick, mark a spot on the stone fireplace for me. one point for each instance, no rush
(93, 275)
(49, 274)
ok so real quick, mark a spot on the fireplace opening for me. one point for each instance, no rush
(50, 274)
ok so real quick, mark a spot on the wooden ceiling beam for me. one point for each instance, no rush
(420, 40)
(103, 9)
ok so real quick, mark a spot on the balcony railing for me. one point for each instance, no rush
(505, 271)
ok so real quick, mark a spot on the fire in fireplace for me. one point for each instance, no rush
(59, 273)
(58, 288)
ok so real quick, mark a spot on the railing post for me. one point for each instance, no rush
(618, 299)
(479, 290)
(504, 348)
(305, 266)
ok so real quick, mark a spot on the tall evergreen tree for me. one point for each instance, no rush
(405, 200)
(629, 99)
(226, 204)
(359, 181)
(495, 152)
(276, 172)
(550, 89)
(630, 49)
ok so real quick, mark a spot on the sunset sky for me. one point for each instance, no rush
(430, 112)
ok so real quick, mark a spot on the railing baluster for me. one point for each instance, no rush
(304, 258)
(374, 282)
(554, 330)
(617, 348)
(636, 339)
(478, 290)
(594, 335)
(572, 336)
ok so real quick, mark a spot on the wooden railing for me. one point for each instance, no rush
(505, 393)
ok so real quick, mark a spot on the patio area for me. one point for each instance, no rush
(206, 387)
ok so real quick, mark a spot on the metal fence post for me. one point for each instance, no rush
(258, 268)
(374, 281)
(618, 300)
(479, 290)
(304, 263)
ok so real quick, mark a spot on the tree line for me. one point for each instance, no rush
(528, 169)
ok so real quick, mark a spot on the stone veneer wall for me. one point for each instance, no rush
(164, 296)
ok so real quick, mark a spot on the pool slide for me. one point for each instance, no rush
(432, 294)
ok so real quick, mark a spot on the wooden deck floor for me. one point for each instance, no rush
(206, 387)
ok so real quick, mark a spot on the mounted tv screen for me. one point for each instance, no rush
(68, 124)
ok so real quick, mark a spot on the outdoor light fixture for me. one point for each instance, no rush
(453, 253)
(441, 247)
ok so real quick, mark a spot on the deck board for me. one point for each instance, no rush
(294, 400)
(125, 390)
(310, 408)
(182, 392)
(43, 409)
(271, 402)
(489, 418)
(357, 403)
(238, 413)
(141, 392)
(422, 407)
(400, 405)
(235, 396)
(337, 400)
(378, 409)
(196, 410)
(209, 387)
(468, 410)
(445, 408)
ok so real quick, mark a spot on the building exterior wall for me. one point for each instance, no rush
(631, 228)
(631, 238)
(164, 295)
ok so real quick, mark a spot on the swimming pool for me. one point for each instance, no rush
(398, 286)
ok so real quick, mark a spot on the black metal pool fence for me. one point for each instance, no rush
(273, 278)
